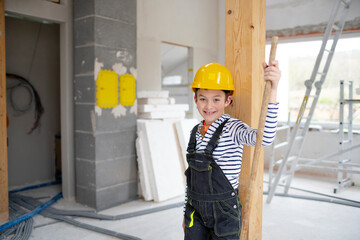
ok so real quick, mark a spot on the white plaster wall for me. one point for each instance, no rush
(190, 23)
(180, 70)
(327, 143)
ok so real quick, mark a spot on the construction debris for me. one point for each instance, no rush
(158, 105)
(161, 166)
(163, 134)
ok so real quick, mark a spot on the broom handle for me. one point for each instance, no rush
(258, 145)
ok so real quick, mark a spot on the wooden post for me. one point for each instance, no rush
(4, 195)
(258, 151)
(244, 54)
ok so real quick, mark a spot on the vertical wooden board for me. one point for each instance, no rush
(183, 130)
(4, 196)
(244, 54)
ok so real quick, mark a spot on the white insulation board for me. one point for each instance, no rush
(162, 159)
(162, 108)
(153, 94)
(157, 101)
(162, 115)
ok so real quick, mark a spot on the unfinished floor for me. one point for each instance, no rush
(285, 218)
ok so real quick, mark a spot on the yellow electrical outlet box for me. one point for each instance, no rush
(127, 90)
(107, 89)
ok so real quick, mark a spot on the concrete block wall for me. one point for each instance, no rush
(104, 39)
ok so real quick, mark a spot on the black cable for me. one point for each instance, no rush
(39, 109)
(12, 98)
(35, 49)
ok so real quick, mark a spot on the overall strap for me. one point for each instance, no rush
(214, 139)
(192, 142)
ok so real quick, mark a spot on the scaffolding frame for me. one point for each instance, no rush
(344, 167)
(344, 178)
(292, 161)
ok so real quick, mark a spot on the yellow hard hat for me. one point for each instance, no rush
(213, 76)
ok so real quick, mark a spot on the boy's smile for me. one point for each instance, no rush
(211, 104)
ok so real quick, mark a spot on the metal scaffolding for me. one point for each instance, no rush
(344, 167)
(292, 161)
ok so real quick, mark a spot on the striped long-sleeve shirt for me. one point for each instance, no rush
(236, 134)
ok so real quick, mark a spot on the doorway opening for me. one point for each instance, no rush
(32, 54)
(177, 73)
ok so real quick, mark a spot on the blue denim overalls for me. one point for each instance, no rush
(213, 209)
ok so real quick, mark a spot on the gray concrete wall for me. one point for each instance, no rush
(104, 39)
(32, 51)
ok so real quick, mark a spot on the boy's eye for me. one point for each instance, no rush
(216, 99)
(202, 99)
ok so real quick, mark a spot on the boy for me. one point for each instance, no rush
(213, 208)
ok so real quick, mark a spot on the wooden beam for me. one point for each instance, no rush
(244, 54)
(4, 195)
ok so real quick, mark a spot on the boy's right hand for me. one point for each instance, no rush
(272, 73)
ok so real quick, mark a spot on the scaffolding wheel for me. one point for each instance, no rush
(335, 190)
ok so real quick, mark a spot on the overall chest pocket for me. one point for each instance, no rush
(201, 176)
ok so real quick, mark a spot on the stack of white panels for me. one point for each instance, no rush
(158, 105)
(161, 149)
(161, 174)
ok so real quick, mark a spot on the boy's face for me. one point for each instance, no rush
(211, 104)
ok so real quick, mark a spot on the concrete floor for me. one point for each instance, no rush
(285, 218)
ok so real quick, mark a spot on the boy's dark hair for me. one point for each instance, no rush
(227, 93)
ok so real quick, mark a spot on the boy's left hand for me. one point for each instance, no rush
(272, 73)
